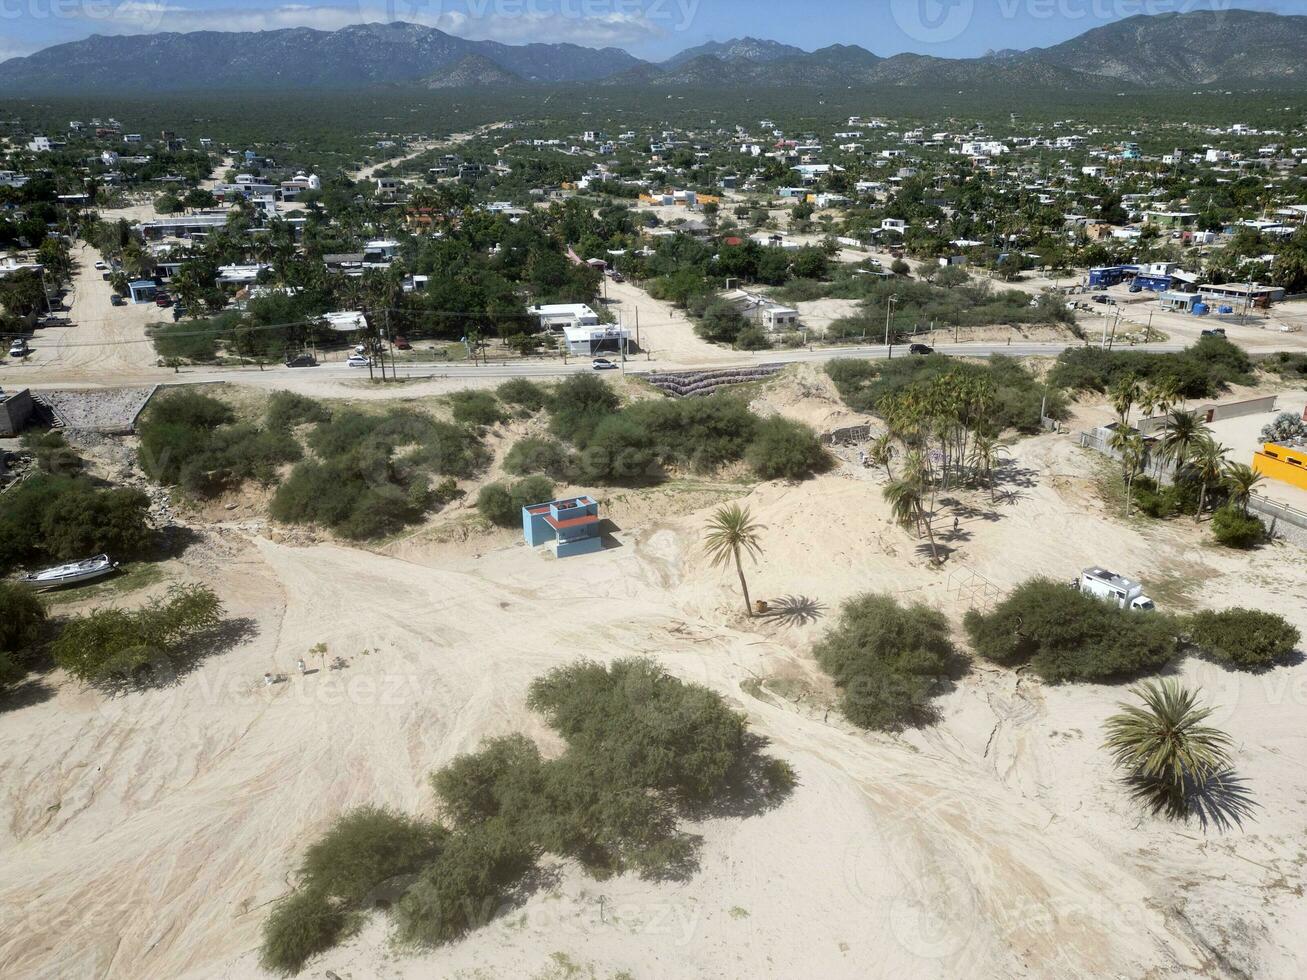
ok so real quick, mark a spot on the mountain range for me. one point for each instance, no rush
(1235, 48)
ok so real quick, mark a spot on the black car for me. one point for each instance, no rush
(1214, 332)
(921, 349)
(302, 360)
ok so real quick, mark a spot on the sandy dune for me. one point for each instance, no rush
(145, 835)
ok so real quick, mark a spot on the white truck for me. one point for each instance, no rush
(1116, 589)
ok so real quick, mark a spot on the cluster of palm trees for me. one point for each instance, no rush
(945, 431)
(1186, 444)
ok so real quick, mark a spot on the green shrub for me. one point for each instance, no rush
(373, 473)
(302, 925)
(721, 323)
(783, 449)
(364, 849)
(579, 404)
(1180, 497)
(477, 408)
(502, 504)
(1235, 529)
(196, 341)
(464, 889)
(1201, 371)
(193, 441)
(523, 394)
(1066, 635)
(115, 645)
(753, 338)
(619, 450)
(360, 495)
(22, 618)
(288, 409)
(1017, 394)
(504, 778)
(1246, 638)
(87, 521)
(642, 748)
(536, 455)
(887, 660)
(661, 733)
(62, 518)
(52, 452)
(495, 504)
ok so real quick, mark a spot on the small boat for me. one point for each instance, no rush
(70, 574)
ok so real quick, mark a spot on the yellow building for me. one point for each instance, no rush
(1282, 463)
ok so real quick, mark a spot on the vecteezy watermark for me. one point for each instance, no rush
(139, 15)
(941, 21)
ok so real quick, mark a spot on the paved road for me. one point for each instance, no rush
(336, 372)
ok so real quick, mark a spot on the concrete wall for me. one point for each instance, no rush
(1211, 412)
(15, 411)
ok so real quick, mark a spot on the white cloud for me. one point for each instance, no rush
(593, 23)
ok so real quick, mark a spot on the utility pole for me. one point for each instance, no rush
(889, 312)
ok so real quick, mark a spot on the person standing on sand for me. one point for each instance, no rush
(267, 680)
(304, 669)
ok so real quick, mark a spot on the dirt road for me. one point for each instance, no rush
(105, 344)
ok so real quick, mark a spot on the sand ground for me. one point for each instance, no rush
(146, 834)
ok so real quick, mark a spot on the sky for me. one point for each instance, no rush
(652, 29)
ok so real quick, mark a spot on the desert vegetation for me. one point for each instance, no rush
(613, 801)
(888, 660)
(1066, 635)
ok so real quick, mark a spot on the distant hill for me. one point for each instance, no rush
(738, 49)
(1235, 48)
(475, 70)
(362, 54)
(1232, 47)
(842, 66)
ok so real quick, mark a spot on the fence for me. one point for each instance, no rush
(845, 436)
(1277, 511)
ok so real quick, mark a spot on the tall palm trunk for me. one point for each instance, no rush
(1202, 501)
(744, 586)
(930, 535)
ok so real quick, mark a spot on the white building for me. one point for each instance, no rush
(585, 340)
(560, 316)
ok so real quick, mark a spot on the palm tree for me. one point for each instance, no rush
(1165, 745)
(881, 452)
(984, 454)
(1181, 431)
(1130, 444)
(1208, 461)
(730, 532)
(1241, 479)
(907, 506)
(1125, 393)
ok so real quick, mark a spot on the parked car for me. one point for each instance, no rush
(401, 343)
(359, 360)
(921, 349)
(617, 276)
(116, 300)
(302, 360)
(101, 265)
(1214, 332)
(603, 364)
(1101, 298)
(163, 301)
(18, 348)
